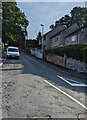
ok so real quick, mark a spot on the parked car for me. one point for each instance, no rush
(13, 52)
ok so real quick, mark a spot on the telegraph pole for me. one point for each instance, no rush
(42, 37)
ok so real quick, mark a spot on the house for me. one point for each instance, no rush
(60, 35)
(75, 35)
(53, 37)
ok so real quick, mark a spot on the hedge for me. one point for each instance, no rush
(78, 51)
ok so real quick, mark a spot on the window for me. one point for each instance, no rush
(12, 50)
(74, 38)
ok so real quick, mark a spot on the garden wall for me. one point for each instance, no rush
(77, 65)
(70, 63)
(58, 60)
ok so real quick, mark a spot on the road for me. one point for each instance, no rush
(33, 89)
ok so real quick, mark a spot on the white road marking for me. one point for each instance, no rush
(70, 83)
(72, 98)
(2, 63)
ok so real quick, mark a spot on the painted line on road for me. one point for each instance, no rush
(72, 82)
(66, 94)
(1, 64)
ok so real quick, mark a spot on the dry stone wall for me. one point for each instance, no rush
(70, 63)
(77, 65)
(58, 60)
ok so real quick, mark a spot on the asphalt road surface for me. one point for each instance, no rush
(32, 89)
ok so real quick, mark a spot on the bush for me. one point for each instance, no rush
(78, 52)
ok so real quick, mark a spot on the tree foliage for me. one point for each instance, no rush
(77, 15)
(66, 21)
(32, 43)
(51, 26)
(14, 24)
(39, 35)
(78, 51)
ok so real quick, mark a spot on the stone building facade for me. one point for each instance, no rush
(65, 36)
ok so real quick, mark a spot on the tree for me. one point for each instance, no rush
(85, 24)
(14, 24)
(51, 26)
(66, 20)
(39, 34)
(32, 43)
(78, 15)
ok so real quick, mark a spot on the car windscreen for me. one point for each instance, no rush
(12, 50)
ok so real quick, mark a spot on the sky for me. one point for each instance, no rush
(45, 13)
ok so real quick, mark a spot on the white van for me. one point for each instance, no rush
(13, 52)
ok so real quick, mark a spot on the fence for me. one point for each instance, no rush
(37, 54)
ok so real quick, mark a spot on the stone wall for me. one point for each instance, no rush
(58, 60)
(77, 65)
(70, 63)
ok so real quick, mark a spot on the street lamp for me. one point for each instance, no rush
(26, 34)
(42, 35)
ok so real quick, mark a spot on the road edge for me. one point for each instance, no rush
(69, 72)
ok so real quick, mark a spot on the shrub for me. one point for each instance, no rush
(78, 52)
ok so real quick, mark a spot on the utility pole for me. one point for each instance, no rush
(42, 37)
(26, 38)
